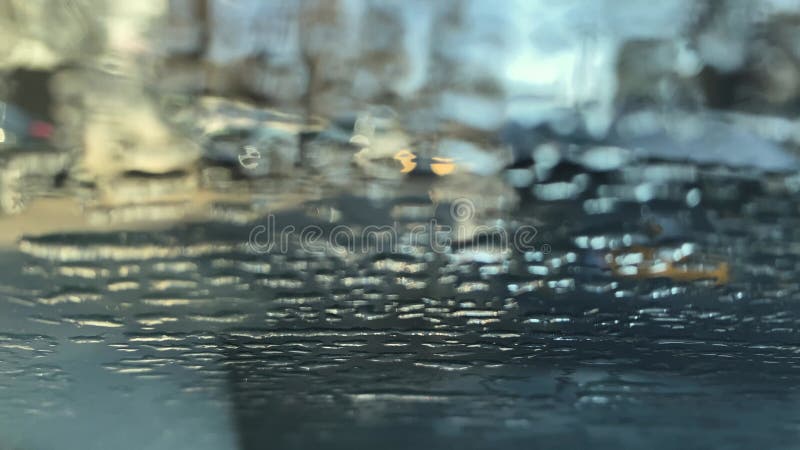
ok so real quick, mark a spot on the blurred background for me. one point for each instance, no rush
(571, 224)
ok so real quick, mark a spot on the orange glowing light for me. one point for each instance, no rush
(443, 166)
(406, 158)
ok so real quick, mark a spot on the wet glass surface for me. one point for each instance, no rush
(296, 237)
(158, 334)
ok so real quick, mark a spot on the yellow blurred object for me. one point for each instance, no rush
(443, 166)
(438, 165)
(406, 158)
(643, 262)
